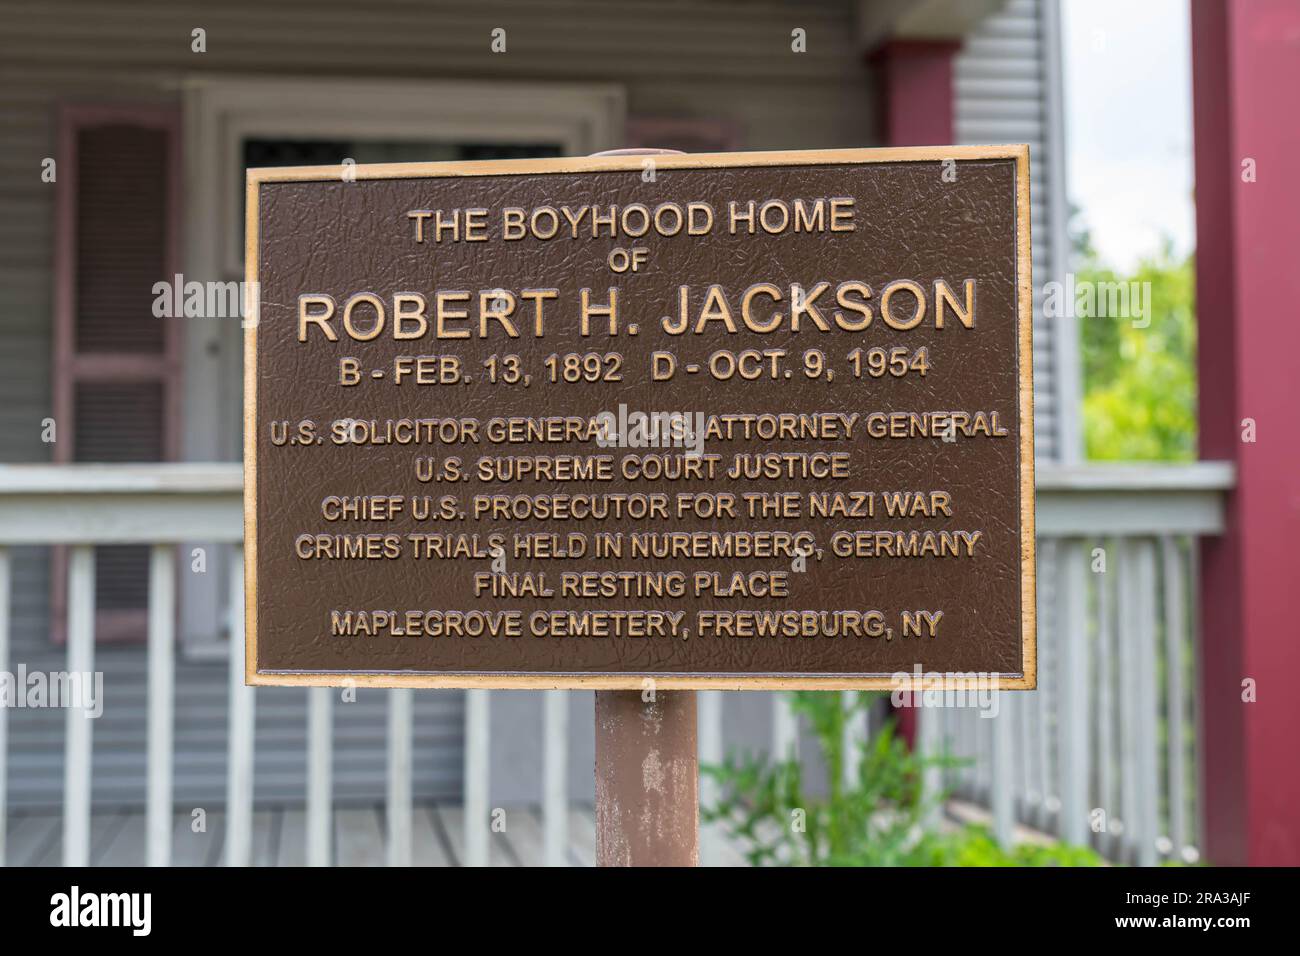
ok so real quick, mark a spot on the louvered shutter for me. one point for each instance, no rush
(115, 363)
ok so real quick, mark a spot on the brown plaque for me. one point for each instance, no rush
(736, 421)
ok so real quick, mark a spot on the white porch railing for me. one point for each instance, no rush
(1081, 736)
(1105, 753)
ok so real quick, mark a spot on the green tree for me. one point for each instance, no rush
(1140, 379)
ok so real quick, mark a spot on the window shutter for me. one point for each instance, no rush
(116, 365)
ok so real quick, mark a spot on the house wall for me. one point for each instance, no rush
(708, 59)
(1004, 91)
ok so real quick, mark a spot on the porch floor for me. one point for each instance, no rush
(280, 838)
(117, 837)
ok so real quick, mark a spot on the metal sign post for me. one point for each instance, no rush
(647, 760)
(647, 779)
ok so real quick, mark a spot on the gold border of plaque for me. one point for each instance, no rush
(513, 167)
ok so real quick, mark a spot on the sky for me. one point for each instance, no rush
(1128, 124)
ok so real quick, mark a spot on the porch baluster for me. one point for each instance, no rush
(1107, 798)
(477, 812)
(320, 775)
(400, 727)
(239, 776)
(162, 636)
(555, 776)
(1175, 643)
(1072, 719)
(4, 711)
(1147, 705)
(785, 727)
(81, 664)
(1130, 626)
(1001, 796)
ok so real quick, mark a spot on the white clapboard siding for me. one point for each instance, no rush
(1004, 92)
(85, 50)
(1003, 83)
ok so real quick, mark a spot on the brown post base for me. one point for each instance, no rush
(647, 779)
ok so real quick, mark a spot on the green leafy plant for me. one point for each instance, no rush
(1140, 378)
(877, 819)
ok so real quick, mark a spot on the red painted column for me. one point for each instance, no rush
(914, 108)
(1246, 74)
(915, 96)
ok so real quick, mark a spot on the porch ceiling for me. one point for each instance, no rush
(882, 20)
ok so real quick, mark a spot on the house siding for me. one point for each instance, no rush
(706, 59)
(1002, 95)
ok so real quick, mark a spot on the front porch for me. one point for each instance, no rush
(1121, 738)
